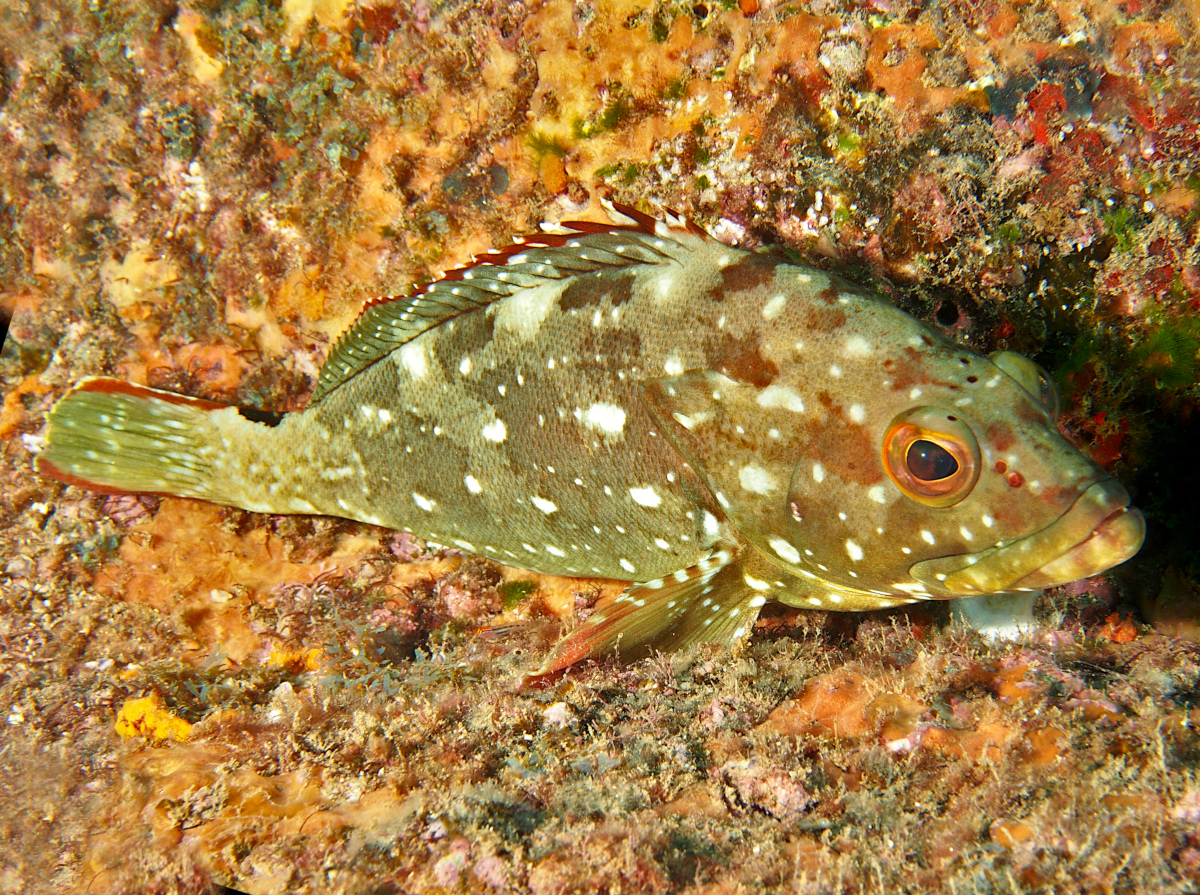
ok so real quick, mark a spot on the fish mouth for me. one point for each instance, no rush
(1099, 531)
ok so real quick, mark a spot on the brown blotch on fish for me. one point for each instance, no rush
(905, 372)
(846, 448)
(741, 359)
(582, 292)
(752, 272)
(1000, 435)
(620, 344)
(829, 295)
(825, 319)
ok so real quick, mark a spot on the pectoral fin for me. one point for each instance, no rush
(710, 602)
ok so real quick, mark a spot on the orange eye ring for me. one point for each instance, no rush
(932, 456)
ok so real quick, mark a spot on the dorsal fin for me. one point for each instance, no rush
(564, 250)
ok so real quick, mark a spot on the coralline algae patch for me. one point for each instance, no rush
(239, 587)
(373, 132)
(928, 757)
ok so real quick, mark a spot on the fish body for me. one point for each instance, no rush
(640, 401)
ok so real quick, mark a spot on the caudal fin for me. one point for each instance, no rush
(112, 436)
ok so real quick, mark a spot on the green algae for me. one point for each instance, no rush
(1168, 354)
(513, 593)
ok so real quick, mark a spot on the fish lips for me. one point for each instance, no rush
(1099, 531)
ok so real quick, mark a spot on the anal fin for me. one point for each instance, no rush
(707, 603)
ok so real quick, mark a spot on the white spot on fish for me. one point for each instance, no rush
(987, 520)
(914, 393)
(554, 551)
(927, 536)
(546, 506)
(423, 502)
(472, 484)
(785, 550)
(495, 431)
(854, 551)
(755, 583)
(857, 413)
(835, 371)
(756, 479)
(780, 396)
(711, 526)
(857, 346)
(464, 365)
(686, 421)
(818, 473)
(385, 416)
(608, 418)
(662, 544)
(774, 307)
(877, 494)
(523, 312)
(413, 358)
(646, 496)
(627, 565)
(966, 533)
(673, 366)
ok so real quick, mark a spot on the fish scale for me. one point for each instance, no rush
(639, 401)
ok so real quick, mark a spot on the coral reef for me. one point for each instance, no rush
(199, 195)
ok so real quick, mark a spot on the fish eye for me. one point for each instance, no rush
(929, 461)
(932, 456)
(1031, 377)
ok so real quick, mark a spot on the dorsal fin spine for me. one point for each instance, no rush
(572, 249)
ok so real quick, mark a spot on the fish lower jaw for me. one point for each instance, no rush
(1113, 542)
(1099, 531)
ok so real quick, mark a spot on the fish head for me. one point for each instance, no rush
(885, 462)
(973, 489)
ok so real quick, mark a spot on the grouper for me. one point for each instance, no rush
(637, 400)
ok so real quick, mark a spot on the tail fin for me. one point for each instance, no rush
(115, 437)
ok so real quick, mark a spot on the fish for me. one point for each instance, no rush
(636, 400)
